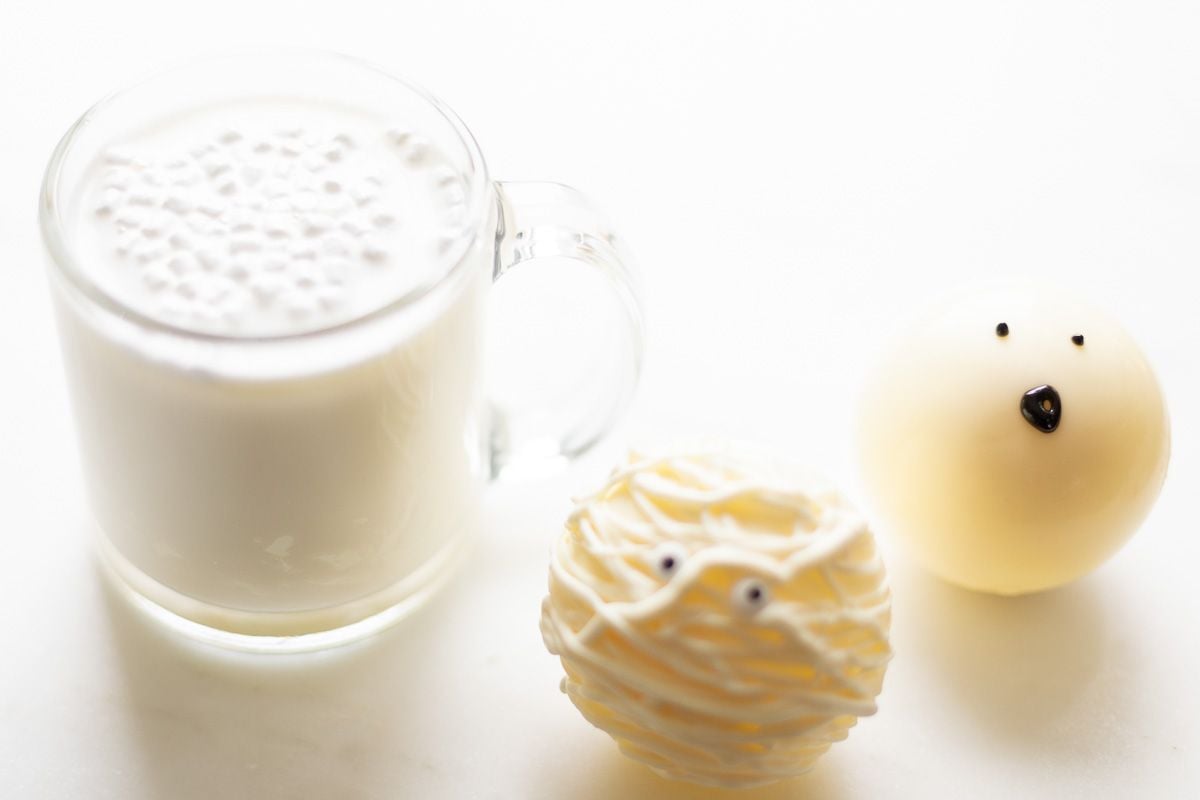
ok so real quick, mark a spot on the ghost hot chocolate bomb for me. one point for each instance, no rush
(1014, 439)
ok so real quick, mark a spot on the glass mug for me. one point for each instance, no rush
(298, 486)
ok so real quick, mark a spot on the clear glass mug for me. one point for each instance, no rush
(296, 491)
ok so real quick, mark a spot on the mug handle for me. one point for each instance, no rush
(545, 221)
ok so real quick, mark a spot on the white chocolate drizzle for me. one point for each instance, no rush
(724, 619)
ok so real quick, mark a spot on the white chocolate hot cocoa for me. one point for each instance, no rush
(723, 617)
(268, 217)
(274, 449)
(1014, 439)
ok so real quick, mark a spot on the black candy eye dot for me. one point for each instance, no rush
(1077, 339)
(1002, 330)
(667, 559)
(750, 594)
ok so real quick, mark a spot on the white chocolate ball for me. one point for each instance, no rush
(995, 491)
(723, 618)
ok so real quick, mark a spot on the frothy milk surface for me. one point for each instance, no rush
(269, 504)
(267, 216)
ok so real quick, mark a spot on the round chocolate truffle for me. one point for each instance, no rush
(723, 617)
(1014, 439)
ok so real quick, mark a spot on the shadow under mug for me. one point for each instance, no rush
(298, 491)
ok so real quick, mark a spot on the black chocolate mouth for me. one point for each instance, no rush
(1042, 408)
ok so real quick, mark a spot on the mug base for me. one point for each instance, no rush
(280, 633)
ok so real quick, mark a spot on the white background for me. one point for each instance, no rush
(793, 178)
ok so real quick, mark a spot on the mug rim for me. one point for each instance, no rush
(66, 265)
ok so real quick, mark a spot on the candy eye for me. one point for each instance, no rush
(668, 559)
(750, 594)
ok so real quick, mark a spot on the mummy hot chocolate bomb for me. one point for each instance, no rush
(723, 618)
(1014, 440)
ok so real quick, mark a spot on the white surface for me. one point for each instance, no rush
(791, 179)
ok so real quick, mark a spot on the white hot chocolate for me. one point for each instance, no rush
(264, 218)
(301, 497)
